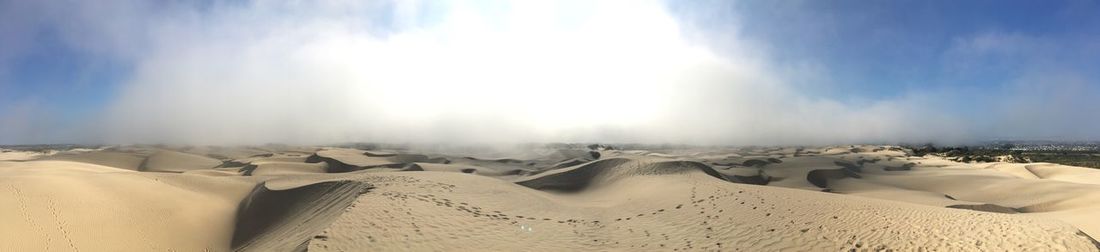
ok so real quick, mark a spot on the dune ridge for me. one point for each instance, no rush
(285, 198)
(603, 171)
(286, 219)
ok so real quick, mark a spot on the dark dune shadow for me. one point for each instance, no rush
(284, 220)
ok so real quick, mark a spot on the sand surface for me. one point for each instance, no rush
(284, 198)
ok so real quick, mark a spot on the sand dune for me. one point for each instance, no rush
(285, 219)
(121, 160)
(1065, 173)
(345, 160)
(686, 210)
(281, 198)
(463, 169)
(174, 161)
(66, 206)
(283, 168)
(608, 171)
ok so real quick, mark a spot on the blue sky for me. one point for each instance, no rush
(883, 48)
(981, 69)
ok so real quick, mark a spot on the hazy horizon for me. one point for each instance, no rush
(678, 72)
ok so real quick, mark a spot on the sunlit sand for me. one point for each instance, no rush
(546, 198)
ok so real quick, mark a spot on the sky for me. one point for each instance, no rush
(617, 71)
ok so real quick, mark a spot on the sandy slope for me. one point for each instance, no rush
(65, 206)
(282, 198)
(174, 161)
(649, 204)
(117, 159)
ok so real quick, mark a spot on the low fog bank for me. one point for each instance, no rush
(618, 72)
(612, 71)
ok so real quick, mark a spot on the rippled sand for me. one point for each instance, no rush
(551, 199)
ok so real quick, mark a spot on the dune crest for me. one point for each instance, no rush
(281, 198)
(286, 219)
(603, 171)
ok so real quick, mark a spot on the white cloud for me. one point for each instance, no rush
(585, 71)
(511, 71)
